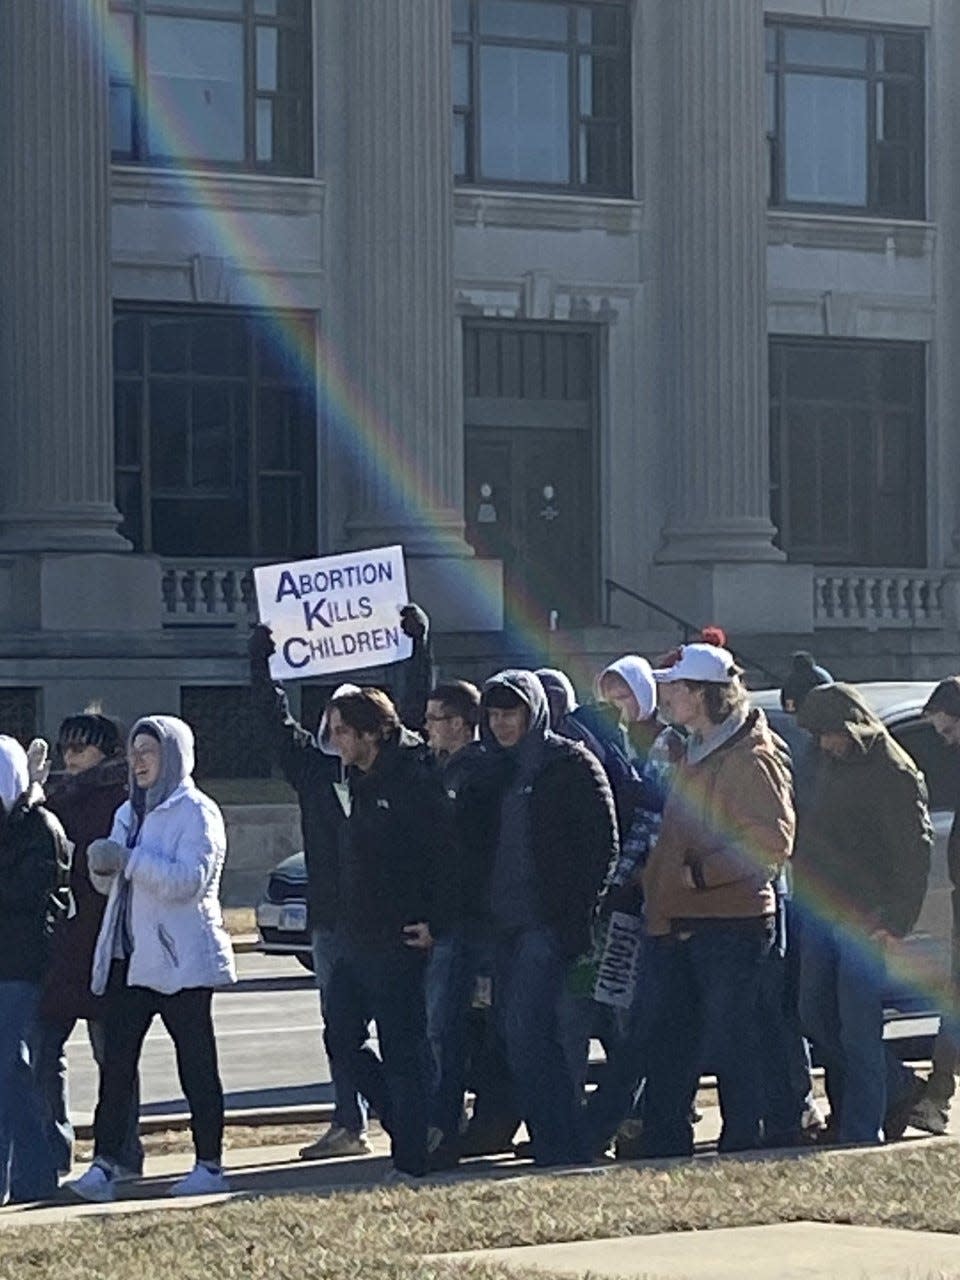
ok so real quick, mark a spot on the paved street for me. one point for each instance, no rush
(269, 1036)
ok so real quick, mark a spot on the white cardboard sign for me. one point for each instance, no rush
(617, 973)
(338, 613)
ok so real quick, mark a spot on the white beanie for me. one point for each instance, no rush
(14, 772)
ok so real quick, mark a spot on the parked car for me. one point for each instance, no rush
(900, 706)
(282, 912)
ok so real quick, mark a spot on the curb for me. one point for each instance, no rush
(254, 1118)
(245, 944)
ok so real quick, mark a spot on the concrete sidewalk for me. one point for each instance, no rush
(795, 1251)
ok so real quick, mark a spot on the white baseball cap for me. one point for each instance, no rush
(703, 663)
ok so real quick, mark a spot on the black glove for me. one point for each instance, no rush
(413, 621)
(260, 646)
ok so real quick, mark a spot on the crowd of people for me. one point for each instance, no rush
(497, 877)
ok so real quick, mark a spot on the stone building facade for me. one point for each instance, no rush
(578, 301)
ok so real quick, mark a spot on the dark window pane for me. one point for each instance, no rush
(220, 346)
(600, 86)
(281, 523)
(526, 116)
(825, 372)
(291, 10)
(577, 366)
(770, 103)
(129, 504)
(200, 526)
(169, 427)
(898, 377)
(169, 346)
(825, 136)
(895, 193)
(489, 363)
(531, 21)
(196, 87)
(213, 438)
(599, 24)
(127, 344)
(895, 112)
(121, 120)
(277, 429)
(267, 46)
(902, 54)
(460, 166)
(510, 364)
(813, 47)
(600, 156)
(461, 15)
(127, 425)
(265, 149)
(461, 75)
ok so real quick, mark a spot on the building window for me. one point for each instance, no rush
(848, 451)
(18, 712)
(845, 119)
(216, 425)
(541, 94)
(220, 83)
(227, 729)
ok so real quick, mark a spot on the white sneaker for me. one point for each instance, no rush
(97, 1185)
(929, 1117)
(337, 1141)
(200, 1181)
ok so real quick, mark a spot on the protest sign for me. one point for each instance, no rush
(338, 613)
(617, 973)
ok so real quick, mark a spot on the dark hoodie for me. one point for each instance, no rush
(863, 849)
(539, 822)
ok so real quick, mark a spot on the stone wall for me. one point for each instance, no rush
(258, 837)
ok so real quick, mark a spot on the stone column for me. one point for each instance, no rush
(398, 322)
(56, 421)
(714, 282)
(945, 212)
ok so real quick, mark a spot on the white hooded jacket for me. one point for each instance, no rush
(173, 873)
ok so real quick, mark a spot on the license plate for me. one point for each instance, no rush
(293, 919)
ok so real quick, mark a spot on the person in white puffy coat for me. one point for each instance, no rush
(162, 948)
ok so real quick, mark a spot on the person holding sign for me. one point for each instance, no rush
(396, 892)
(310, 765)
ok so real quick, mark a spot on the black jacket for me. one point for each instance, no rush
(34, 874)
(312, 774)
(397, 861)
(573, 831)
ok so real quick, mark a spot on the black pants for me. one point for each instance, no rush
(188, 1019)
(384, 985)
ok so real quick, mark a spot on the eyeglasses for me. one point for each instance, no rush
(138, 754)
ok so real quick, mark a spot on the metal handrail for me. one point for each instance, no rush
(689, 628)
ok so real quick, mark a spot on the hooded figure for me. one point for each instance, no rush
(863, 857)
(162, 948)
(34, 864)
(170, 881)
(804, 676)
(865, 841)
(543, 835)
(638, 717)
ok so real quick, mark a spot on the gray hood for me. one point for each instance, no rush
(14, 772)
(527, 687)
(176, 760)
(559, 683)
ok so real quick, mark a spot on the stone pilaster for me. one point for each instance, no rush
(398, 321)
(56, 475)
(945, 212)
(714, 282)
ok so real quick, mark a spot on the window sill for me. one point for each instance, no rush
(490, 207)
(249, 192)
(904, 238)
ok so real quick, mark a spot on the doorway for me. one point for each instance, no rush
(530, 453)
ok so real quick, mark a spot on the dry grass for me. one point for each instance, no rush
(240, 920)
(382, 1234)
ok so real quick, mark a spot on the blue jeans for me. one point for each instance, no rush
(28, 1170)
(449, 983)
(530, 974)
(50, 1069)
(842, 982)
(350, 1109)
(708, 1017)
(787, 1085)
(384, 984)
(616, 1093)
